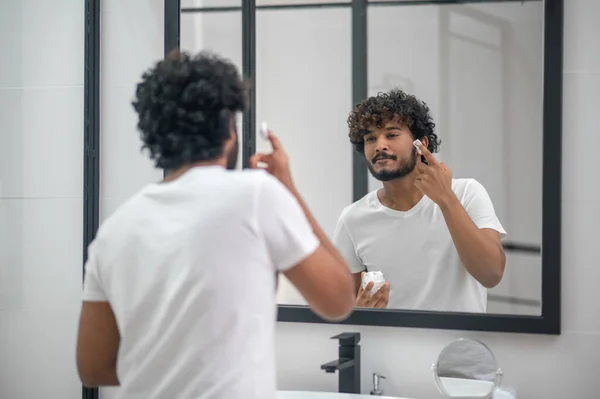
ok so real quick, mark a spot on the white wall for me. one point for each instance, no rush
(41, 143)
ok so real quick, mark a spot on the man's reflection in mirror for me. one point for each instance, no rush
(435, 238)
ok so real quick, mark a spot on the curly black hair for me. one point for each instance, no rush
(186, 106)
(394, 105)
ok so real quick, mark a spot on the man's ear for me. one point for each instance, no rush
(231, 140)
(425, 141)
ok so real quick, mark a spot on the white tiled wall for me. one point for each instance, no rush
(41, 213)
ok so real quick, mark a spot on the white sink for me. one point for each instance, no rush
(326, 395)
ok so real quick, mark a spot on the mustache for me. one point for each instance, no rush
(383, 155)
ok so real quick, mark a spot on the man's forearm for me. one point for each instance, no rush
(483, 258)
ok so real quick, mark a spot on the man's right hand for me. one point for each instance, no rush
(277, 162)
(379, 299)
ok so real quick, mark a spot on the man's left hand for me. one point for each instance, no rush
(433, 179)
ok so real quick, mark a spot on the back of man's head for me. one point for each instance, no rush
(186, 107)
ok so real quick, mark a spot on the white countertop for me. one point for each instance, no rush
(326, 395)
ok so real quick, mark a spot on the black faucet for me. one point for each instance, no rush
(348, 364)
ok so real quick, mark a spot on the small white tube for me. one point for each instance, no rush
(417, 143)
(264, 130)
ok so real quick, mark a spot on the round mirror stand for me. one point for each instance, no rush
(467, 368)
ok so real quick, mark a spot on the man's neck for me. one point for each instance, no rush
(173, 175)
(400, 194)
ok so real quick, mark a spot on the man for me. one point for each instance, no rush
(435, 239)
(179, 294)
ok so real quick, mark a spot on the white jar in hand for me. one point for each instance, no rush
(377, 279)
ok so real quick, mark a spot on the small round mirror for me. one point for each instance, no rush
(467, 369)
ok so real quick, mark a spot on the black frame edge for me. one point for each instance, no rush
(550, 321)
(172, 31)
(91, 138)
(360, 88)
(552, 165)
(249, 74)
(171, 26)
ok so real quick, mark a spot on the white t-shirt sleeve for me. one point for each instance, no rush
(478, 205)
(288, 234)
(344, 244)
(92, 285)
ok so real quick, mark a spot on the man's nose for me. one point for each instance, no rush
(382, 145)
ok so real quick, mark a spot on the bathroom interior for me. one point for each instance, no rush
(513, 86)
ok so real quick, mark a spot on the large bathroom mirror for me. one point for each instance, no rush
(490, 73)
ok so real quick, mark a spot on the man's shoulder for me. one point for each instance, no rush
(248, 177)
(467, 189)
(245, 183)
(358, 208)
(466, 185)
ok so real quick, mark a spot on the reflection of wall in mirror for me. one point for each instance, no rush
(12, 223)
(220, 32)
(479, 68)
(304, 92)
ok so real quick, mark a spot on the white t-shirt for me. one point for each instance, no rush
(189, 269)
(415, 251)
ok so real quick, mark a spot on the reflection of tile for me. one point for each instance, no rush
(220, 32)
(580, 36)
(41, 253)
(307, 106)
(35, 121)
(128, 49)
(522, 277)
(288, 294)
(291, 2)
(211, 3)
(391, 81)
(124, 168)
(500, 307)
(108, 206)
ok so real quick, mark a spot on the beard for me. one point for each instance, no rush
(404, 169)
